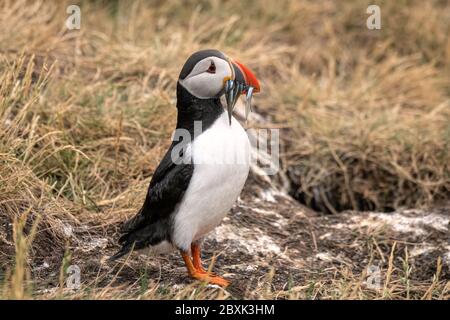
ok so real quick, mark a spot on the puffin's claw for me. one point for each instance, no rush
(205, 277)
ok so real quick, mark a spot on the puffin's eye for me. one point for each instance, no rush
(212, 68)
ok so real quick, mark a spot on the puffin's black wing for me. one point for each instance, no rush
(152, 224)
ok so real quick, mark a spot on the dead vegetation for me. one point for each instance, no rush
(85, 116)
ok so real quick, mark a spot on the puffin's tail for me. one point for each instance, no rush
(126, 248)
(127, 230)
(128, 242)
(138, 236)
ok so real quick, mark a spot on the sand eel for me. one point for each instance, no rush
(201, 175)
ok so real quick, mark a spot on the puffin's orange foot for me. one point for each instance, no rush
(196, 271)
(204, 271)
(209, 278)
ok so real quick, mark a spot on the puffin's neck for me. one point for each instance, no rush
(191, 109)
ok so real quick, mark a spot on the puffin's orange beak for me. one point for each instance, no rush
(244, 82)
(244, 75)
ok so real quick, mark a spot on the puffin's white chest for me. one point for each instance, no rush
(221, 156)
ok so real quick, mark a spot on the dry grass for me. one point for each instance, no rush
(86, 115)
(372, 110)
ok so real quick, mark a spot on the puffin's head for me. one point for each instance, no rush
(210, 74)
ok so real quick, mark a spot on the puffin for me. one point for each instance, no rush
(205, 168)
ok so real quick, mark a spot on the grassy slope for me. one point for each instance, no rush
(86, 115)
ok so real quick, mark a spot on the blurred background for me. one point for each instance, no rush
(86, 114)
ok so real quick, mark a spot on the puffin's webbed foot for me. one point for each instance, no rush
(196, 270)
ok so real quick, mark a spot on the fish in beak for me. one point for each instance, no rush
(244, 82)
